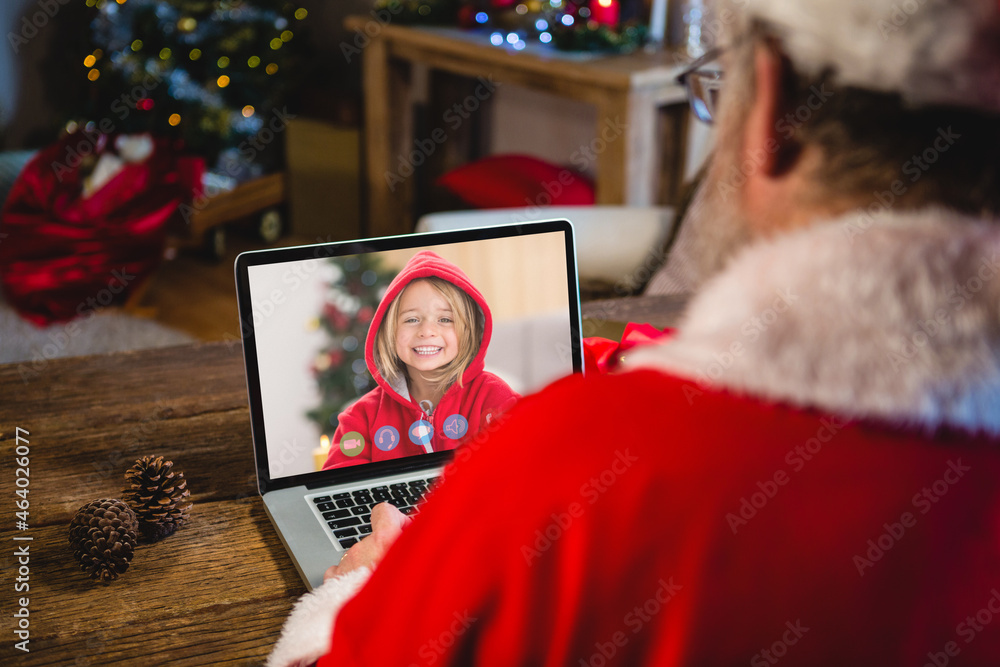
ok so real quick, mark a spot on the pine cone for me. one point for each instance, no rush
(158, 496)
(103, 535)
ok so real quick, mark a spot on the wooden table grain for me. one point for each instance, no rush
(217, 591)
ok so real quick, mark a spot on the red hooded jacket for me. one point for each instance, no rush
(385, 417)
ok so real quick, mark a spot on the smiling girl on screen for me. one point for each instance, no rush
(425, 349)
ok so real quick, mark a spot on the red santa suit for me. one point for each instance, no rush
(386, 416)
(805, 473)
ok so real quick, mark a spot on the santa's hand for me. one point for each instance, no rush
(387, 524)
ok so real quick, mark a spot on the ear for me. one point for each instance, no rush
(768, 139)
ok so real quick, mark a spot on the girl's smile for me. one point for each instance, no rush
(425, 336)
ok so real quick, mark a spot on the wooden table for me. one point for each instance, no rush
(215, 592)
(608, 317)
(627, 90)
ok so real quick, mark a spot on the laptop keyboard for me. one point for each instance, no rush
(349, 514)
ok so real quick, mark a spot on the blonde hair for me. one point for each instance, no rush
(470, 323)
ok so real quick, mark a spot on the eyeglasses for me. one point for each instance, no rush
(703, 85)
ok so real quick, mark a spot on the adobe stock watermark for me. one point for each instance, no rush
(922, 502)
(292, 279)
(94, 135)
(899, 15)
(33, 22)
(248, 150)
(453, 117)
(130, 443)
(289, 454)
(590, 492)
(967, 631)
(713, 26)
(581, 158)
(634, 622)
(773, 654)
(797, 458)
(22, 552)
(624, 286)
(434, 649)
(916, 167)
(59, 340)
(957, 297)
(370, 30)
(786, 126)
(751, 330)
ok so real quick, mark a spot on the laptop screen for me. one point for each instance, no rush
(374, 352)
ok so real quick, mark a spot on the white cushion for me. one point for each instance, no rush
(613, 243)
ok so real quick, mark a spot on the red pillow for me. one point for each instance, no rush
(508, 181)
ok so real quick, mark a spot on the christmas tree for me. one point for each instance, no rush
(213, 74)
(340, 370)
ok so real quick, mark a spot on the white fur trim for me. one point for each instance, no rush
(305, 637)
(930, 51)
(894, 318)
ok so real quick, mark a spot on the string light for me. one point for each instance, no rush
(276, 43)
(137, 45)
(223, 62)
(301, 13)
(248, 111)
(286, 35)
(223, 81)
(272, 68)
(165, 53)
(195, 54)
(89, 61)
(253, 61)
(174, 120)
(93, 74)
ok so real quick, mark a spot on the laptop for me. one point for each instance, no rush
(306, 314)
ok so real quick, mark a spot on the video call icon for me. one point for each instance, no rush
(352, 443)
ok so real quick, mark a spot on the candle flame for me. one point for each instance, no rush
(324, 443)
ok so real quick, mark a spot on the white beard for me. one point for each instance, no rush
(713, 230)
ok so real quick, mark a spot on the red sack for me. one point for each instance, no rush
(63, 254)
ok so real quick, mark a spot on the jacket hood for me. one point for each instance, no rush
(426, 264)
